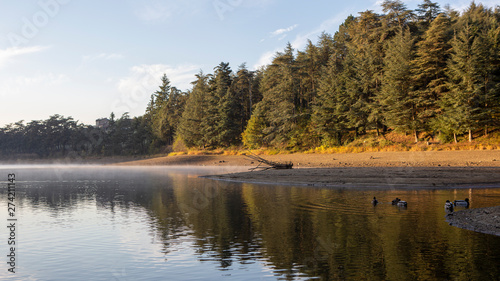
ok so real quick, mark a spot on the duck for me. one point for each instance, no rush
(395, 201)
(462, 203)
(448, 206)
(374, 201)
(402, 203)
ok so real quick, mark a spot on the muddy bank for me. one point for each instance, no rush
(375, 177)
(484, 220)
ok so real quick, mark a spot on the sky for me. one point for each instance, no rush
(88, 58)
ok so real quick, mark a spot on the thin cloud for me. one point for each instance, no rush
(10, 53)
(283, 31)
(143, 80)
(148, 77)
(153, 12)
(328, 25)
(25, 84)
(103, 56)
(265, 59)
(158, 11)
(300, 40)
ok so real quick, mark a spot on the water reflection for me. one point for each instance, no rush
(104, 223)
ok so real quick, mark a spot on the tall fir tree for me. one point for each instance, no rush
(158, 111)
(402, 107)
(279, 88)
(429, 67)
(190, 128)
(362, 72)
(473, 74)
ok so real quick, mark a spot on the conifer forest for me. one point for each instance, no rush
(432, 71)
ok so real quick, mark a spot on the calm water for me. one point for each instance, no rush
(158, 223)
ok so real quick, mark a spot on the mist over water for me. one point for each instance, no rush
(165, 223)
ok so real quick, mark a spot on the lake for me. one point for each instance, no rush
(165, 223)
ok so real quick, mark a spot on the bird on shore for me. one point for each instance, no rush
(448, 206)
(395, 201)
(374, 201)
(462, 203)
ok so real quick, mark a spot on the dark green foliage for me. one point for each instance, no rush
(402, 108)
(190, 127)
(164, 112)
(472, 101)
(61, 136)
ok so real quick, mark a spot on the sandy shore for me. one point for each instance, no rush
(474, 158)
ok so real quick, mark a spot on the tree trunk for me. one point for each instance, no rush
(486, 130)
(416, 135)
(455, 137)
(470, 135)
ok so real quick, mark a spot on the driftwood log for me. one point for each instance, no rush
(268, 164)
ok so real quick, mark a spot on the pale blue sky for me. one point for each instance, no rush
(87, 58)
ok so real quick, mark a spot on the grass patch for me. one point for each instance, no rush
(390, 142)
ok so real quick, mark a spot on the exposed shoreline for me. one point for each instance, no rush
(484, 220)
(374, 177)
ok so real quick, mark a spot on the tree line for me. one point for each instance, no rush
(428, 71)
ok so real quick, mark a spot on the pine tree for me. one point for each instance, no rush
(473, 74)
(254, 137)
(190, 128)
(429, 68)
(245, 87)
(329, 111)
(158, 111)
(279, 88)
(460, 104)
(427, 12)
(221, 125)
(362, 72)
(396, 17)
(402, 107)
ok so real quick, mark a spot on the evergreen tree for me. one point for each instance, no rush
(329, 111)
(427, 12)
(473, 74)
(279, 88)
(429, 67)
(396, 17)
(228, 110)
(402, 107)
(362, 72)
(190, 126)
(159, 121)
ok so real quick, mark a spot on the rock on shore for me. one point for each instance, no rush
(484, 220)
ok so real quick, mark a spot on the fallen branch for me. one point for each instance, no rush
(269, 164)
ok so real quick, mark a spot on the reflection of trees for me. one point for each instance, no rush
(332, 234)
(214, 214)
